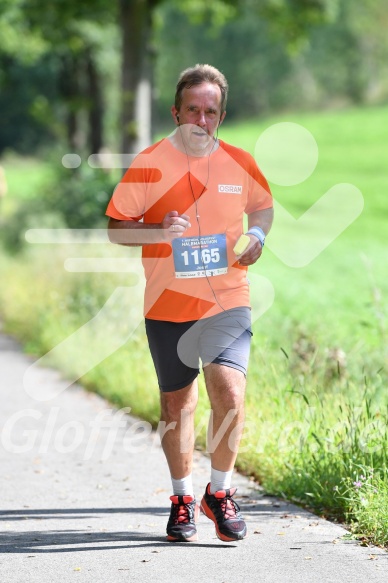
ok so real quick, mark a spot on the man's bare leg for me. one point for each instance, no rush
(177, 413)
(226, 390)
(178, 409)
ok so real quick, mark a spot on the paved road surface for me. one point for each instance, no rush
(84, 498)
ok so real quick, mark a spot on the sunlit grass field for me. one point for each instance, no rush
(316, 429)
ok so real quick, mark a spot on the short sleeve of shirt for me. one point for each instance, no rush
(129, 199)
(259, 193)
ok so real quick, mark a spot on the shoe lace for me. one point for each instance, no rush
(183, 513)
(230, 508)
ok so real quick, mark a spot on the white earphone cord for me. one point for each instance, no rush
(197, 219)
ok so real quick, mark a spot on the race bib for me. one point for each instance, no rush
(200, 256)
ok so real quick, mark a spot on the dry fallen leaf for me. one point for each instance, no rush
(257, 532)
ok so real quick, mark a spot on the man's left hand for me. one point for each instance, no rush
(253, 252)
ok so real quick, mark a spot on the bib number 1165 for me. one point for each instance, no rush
(205, 256)
(200, 256)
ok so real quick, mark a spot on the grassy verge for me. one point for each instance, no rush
(315, 423)
(316, 429)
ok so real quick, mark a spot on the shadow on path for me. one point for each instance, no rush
(62, 541)
(70, 541)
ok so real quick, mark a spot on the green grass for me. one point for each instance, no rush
(25, 177)
(365, 496)
(316, 397)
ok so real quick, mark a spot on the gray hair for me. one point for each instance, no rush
(201, 74)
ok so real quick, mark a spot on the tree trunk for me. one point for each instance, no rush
(70, 91)
(95, 105)
(135, 23)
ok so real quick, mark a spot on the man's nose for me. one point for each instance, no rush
(201, 119)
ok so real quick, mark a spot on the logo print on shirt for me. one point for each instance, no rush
(230, 188)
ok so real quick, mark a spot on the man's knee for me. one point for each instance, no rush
(179, 404)
(226, 388)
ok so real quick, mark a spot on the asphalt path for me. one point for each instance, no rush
(85, 497)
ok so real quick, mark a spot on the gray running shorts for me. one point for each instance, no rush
(176, 347)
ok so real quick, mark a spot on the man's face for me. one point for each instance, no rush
(199, 114)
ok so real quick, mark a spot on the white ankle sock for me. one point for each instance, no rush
(183, 486)
(220, 480)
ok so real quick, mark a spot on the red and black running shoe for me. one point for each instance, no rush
(181, 524)
(225, 513)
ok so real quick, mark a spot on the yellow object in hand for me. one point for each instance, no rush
(241, 244)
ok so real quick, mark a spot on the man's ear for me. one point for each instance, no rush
(175, 114)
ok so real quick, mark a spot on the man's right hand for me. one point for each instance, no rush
(174, 225)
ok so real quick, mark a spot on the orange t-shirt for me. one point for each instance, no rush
(197, 275)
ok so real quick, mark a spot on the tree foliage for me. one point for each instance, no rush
(63, 38)
(75, 78)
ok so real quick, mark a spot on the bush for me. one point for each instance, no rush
(68, 199)
(30, 214)
(80, 196)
